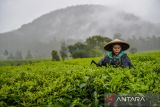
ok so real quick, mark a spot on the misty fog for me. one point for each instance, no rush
(77, 23)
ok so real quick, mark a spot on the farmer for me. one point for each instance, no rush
(116, 54)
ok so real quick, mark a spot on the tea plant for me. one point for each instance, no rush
(75, 82)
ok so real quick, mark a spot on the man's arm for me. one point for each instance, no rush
(104, 61)
(126, 62)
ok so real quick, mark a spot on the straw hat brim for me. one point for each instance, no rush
(123, 44)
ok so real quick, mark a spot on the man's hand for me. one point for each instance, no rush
(93, 62)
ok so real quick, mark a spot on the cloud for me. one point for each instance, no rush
(14, 13)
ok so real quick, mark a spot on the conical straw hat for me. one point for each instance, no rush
(123, 44)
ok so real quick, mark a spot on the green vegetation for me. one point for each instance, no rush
(16, 62)
(92, 47)
(55, 56)
(75, 82)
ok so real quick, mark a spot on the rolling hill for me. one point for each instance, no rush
(72, 24)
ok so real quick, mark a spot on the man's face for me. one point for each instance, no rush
(116, 49)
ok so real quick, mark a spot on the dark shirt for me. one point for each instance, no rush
(117, 60)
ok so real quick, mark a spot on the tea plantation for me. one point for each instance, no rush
(76, 83)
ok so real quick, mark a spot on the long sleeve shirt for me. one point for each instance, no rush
(117, 60)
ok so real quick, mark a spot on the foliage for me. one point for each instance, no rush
(92, 47)
(80, 54)
(97, 41)
(16, 62)
(64, 51)
(75, 82)
(79, 50)
(141, 43)
(55, 56)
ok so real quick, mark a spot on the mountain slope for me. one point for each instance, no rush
(74, 23)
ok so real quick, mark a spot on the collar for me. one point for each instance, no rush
(110, 54)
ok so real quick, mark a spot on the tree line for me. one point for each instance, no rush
(17, 55)
(91, 47)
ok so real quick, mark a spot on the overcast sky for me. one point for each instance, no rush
(14, 13)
